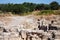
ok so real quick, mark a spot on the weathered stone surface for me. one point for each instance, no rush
(27, 26)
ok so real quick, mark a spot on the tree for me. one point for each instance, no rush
(40, 7)
(54, 5)
(47, 7)
(29, 6)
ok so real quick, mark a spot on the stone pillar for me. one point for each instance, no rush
(47, 28)
(23, 35)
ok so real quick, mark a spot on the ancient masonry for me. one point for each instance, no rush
(45, 30)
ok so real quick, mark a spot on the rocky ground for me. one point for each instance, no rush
(14, 27)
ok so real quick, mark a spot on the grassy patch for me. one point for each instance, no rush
(46, 12)
(57, 12)
(24, 14)
(43, 12)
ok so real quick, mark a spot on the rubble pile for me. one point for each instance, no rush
(29, 28)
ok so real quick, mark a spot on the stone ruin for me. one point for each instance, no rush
(45, 30)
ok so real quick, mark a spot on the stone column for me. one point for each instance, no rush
(23, 35)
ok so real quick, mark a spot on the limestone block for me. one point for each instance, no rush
(33, 38)
(56, 39)
(45, 39)
(23, 33)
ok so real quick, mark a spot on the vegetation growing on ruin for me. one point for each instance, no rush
(46, 12)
